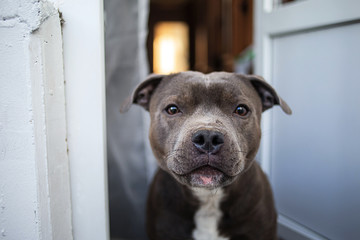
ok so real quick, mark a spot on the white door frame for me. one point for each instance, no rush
(271, 22)
(83, 39)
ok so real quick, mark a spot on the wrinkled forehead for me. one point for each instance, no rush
(198, 87)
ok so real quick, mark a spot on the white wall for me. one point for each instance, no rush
(34, 174)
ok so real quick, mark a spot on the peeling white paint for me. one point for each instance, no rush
(17, 163)
(30, 13)
(34, 183)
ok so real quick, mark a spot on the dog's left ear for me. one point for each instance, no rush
(268, 95)
(142, 93)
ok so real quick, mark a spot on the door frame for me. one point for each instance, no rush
(274, 21)
(84, 70)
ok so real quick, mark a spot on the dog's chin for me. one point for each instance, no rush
(205, 177)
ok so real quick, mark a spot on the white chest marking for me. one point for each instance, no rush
(207, 81)
(208, 215)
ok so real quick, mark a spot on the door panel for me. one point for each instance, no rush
(315, 155)
(309, 50)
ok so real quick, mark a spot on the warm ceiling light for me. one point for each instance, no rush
(171, 46)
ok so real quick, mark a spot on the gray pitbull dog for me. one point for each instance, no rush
(205, 133)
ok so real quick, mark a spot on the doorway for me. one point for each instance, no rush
(211, 35)
(219, 37)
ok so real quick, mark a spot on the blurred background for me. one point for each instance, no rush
(308, 50)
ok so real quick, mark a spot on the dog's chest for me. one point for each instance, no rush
(208, 215)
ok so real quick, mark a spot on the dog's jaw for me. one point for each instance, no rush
(206, 177)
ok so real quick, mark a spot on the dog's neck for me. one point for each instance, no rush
(209, 214)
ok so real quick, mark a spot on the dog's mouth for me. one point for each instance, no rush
(206, 177)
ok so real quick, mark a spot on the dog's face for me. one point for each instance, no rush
(205, 129)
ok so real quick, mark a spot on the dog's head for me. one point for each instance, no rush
(205, 129)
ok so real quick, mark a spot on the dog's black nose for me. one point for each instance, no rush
(208, 141)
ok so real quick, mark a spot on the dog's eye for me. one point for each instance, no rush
(172, 110)
(242, 110)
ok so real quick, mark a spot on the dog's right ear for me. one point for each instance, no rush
(142, 93)
(268, 95)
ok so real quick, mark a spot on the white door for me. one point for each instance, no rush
(310, 51)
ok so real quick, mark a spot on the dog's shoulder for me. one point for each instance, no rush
(170, 209)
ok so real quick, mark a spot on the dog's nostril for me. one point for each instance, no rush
(217, 140)
(199, 139)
